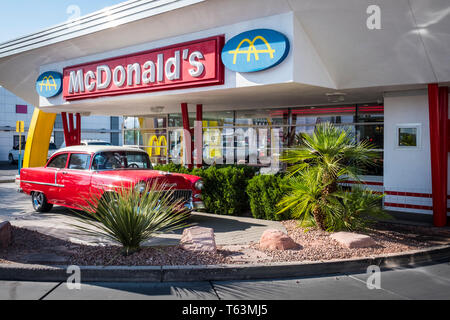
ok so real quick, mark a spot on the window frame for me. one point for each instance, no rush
(417, 126)
(54, 157)
(79, 153)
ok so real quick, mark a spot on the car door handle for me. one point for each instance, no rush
(64, 172)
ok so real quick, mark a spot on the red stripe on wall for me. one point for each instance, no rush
(409, 206)
(408, 194)
(372, 183)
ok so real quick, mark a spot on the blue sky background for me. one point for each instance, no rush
(22, 17)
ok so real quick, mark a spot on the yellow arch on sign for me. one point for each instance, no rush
(38, 140)
(48, 85)
(252, 49)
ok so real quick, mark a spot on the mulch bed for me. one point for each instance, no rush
(314, 245)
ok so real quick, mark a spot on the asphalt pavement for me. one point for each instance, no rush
(424, 282)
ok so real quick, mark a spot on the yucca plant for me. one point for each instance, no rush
(130, 217)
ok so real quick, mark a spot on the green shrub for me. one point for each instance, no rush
(355, 210)
(264, 192)
(171, 167)
(224, 191)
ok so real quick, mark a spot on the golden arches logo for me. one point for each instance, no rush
(159, 142)
(252, 49)
(46, 82)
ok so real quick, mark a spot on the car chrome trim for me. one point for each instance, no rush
(45, 184)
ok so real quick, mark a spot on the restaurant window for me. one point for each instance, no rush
(228, 136)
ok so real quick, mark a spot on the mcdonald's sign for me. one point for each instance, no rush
(255, 50)
(49, 84)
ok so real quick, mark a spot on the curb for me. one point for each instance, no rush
(23, 272)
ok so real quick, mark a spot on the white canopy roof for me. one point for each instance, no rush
(333, 50)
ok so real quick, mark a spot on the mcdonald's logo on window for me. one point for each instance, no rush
(155, 146)
(255, 50)
(49, 84)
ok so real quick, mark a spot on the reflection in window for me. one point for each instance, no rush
(227, 134)
(79, 161)
(407, 137)
(58, 161)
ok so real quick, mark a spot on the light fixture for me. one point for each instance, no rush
(157, 109)
(336, 96)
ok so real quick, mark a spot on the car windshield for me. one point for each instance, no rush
(121, 160)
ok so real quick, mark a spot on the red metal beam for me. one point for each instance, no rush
(199, 136)
(438, 121)
(187, 128)
(72, 135)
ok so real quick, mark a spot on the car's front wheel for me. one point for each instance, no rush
(40, 203)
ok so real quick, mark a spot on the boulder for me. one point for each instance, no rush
(276, 240)
(353, 240)
(198, 239)
(5, 234)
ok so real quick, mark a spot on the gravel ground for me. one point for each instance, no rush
(315, 245)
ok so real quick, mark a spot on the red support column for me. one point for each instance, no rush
(188, 140)
(438, 115)
(78, 133)
(72, 135)
(199, 136)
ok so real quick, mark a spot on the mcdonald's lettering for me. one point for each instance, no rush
(184, 65)
(255, 50)
(49, 84)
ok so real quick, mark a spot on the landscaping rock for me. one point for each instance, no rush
(353, 240)
(276, 240)
(198, 239)
(5, 234)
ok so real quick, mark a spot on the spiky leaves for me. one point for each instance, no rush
(130, 217)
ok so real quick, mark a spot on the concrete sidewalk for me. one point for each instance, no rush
(8, 173)
(424, 282)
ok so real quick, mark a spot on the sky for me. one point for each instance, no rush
(22, 17)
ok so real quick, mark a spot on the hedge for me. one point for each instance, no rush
(225, 186)
(264, 192)
(234, 190)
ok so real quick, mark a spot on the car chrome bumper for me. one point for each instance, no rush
(199, 205)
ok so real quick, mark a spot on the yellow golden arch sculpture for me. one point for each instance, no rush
(38, 140)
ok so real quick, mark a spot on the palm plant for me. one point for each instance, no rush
(320, 161)
(305, 200)
(131, 217)
(355, 210)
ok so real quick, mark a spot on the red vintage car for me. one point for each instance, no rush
(72, 174)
